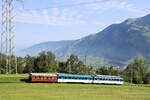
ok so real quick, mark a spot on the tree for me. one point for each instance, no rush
(137, 71)
(29, 64)
(75, 66)
(107, 70)
(147, 78)
(2, 64)
(46, 62)
(62, 67)
(72, 64)
(102, 70)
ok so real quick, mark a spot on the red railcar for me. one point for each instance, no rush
(39, 77)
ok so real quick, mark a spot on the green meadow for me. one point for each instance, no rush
(59, 91)
(13, 77)
(51, 91)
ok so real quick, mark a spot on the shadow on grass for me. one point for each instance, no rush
(25, 80)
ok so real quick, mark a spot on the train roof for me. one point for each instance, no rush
(42, 74)
(108, 76)
(71, 75)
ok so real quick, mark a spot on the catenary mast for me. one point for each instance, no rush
(8, 35)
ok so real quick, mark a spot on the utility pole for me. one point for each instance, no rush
(131, 73)
(69, 67)
(8, 34)
(85, 60)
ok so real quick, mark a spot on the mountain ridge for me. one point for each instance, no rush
(117, 43)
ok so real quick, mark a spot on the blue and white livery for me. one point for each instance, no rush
(96, 79)
(106, 79)
(68, 78)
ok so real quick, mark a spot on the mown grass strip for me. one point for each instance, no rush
(14, 78)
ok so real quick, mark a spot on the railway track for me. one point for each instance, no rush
(12, 82)
(41, 82)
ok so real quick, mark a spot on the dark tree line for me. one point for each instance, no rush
(46, 62)
(136, 72)
(74, 66)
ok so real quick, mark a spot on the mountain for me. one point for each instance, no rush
(58, 47)
(117, 44)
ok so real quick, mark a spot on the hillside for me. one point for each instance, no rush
(117, 44)
(58, 47)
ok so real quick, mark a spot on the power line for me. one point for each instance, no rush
(71, 5)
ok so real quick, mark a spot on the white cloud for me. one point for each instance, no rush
(71, 17)
(129, 7)
(56, 18)
(111, 4)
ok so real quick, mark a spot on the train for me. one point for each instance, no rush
(71, 78)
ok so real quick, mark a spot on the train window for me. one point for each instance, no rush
(45, 77)
(76, 77)
(69, 77)
(60, 77)
(65, 77)
(37, 77)
(33, 77)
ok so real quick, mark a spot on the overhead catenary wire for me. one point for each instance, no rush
(70, 5)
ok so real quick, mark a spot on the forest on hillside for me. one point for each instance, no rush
(138, 71)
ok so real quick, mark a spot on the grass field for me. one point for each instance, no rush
(13, 78)
(47, 91)
(56, 91)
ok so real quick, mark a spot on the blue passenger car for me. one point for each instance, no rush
(105, 79)
(69, 78)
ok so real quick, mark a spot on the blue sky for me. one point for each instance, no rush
(60, 22)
